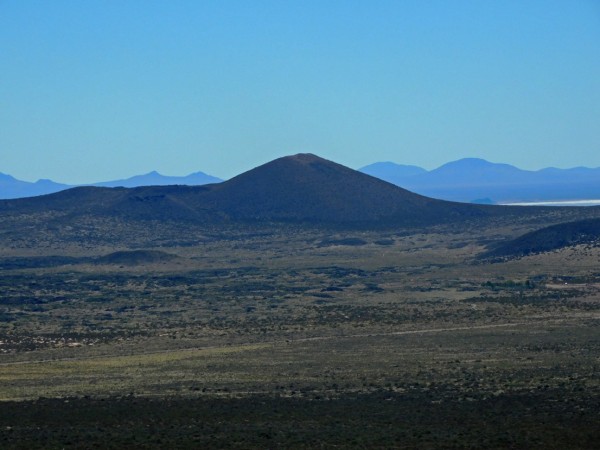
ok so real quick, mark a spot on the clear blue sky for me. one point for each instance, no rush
(97, 90)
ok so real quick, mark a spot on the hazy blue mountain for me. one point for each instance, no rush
(392, 172)
(156, 179)
(10, 187)
(475, 172)
(480, 181)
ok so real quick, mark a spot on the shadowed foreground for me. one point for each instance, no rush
(537, 419)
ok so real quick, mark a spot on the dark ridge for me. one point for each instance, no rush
(550, 238)
(136, 257)
(143, 203)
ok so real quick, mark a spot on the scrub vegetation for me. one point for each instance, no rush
(296, 337)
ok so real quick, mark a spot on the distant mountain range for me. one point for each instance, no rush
(470, 180)
(299, 190)
(10, 187)
(478, 181)
(303, 189)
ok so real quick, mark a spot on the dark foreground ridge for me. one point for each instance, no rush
(303, 188)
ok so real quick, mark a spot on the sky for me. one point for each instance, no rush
(99, 90)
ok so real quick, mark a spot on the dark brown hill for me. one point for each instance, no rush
(143, 203)
(307, 188)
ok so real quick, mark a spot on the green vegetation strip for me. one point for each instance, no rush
(106, 374)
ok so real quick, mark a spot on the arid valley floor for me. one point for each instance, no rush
(294, 337)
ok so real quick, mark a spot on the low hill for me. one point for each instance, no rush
(550, 238)
(136, 257)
